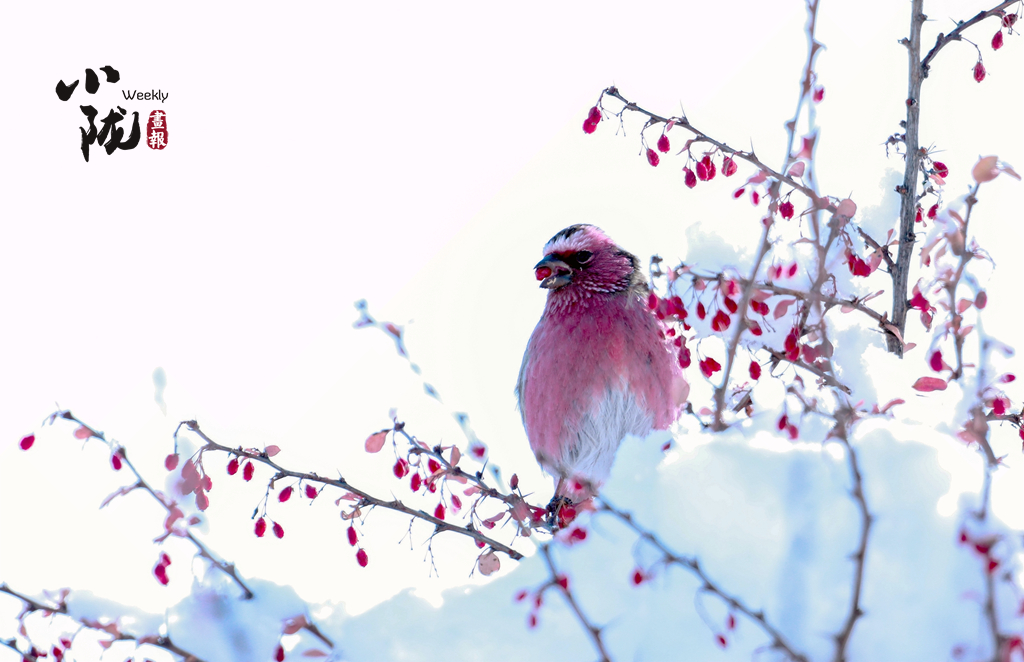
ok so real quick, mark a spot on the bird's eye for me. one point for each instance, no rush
(582, 257)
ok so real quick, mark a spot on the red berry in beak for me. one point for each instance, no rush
(542, 273)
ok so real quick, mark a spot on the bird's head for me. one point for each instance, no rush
(582, 259)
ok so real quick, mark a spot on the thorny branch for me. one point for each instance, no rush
(32, 605)
(224, 566)
(366, 498)
(844, 419)
(558, 580)
(918, 71)
(955, 35)
(693, 565)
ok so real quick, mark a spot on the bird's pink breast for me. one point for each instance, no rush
(578, 354)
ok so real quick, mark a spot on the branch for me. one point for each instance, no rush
(563, 584)
(844, 418)
(944, 39)
(396, 505)
(693, 565)
(778, 357)
(224, 566)
(32, 605)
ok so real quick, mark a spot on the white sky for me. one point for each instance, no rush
(416, 155)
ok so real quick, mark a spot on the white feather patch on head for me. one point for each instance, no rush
(582, 239)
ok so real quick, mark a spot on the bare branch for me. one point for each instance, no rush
(693, 565)
(955, 35)
(562, 583)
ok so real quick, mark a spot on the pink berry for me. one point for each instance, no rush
(171, 462)
(663, 145)
(979, 71)
(27, 441)
(653, 158)
(997, 40)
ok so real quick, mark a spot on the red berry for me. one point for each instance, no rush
(819, 94)
(578, 534)
(997, 40)
(353, 538)
(663, 145)
(728, 166)
(588, 126)
(248, 471)
(731, 305)
(932, 211)
(285, 494)
(783, 422)
(362, 558)
(164, 559)
(689, 178)
(563, 581)
(261, 527)
(755, 198)
(701, 311)
(721, 321)
(439, 511)
(532, 621)
(279, 654)
(721, 640)
(979, 71)
(755, 370)
(233, 466)
(27, 441)
(416, 482)
(638, 577)
(754, 327)
(278, 530)
(730, 622)
(709, 366)
(456, 503)
(786, 209)
(171, 462)
(594, 115)
(1009, 20)
(161, 574)
(433, 465)
(702, 171)
(652, 157)
(935, 361)
(737, 193)
(513, 482)
(115, 461)
(401, 468)
(940, 168)
(684, 358)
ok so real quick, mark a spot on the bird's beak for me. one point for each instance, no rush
(552, 273)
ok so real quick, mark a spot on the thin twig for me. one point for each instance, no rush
(944, 39)
(592, 630)
(365, 497)
(693, 565)
(34, 605)
(845, 418)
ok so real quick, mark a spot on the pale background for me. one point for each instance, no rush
(416, 155)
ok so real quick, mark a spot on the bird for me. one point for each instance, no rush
(598, 365)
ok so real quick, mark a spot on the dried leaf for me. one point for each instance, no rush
(797, 170)
(271, 451)
(375, 441)
(489, 563)
(293, 625)
(847, 208)
(926, 384)
(782, 307)
(82, 432)
(313, 652)
(456, 456)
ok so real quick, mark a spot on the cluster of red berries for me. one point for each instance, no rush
(593, 118)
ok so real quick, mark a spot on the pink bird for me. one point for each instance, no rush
(597, 366)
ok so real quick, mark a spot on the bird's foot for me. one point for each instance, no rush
(561, 511)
